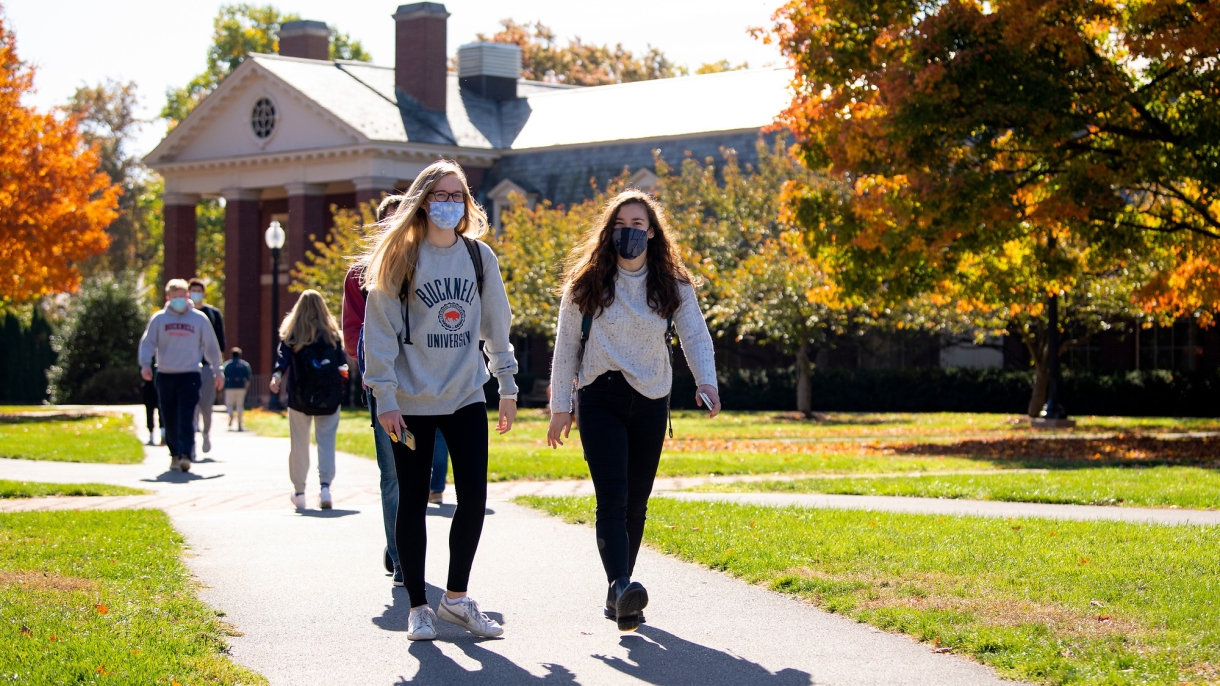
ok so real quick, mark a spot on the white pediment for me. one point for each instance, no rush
(223, 125)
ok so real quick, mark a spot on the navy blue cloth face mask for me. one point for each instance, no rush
(630, 242)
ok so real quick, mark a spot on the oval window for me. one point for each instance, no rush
(262, 119)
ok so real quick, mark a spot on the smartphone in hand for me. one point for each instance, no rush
(405, 437)
(707, 402)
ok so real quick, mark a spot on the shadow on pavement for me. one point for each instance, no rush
(664, 659)
(437, 668)
(179, 478)
(327, 514)
(446, 510)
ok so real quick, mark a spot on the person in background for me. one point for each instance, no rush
(207, 373)
(237, 380)
(180, 338)
(311, 354)
(149, 393)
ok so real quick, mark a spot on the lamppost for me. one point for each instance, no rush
(275, 240)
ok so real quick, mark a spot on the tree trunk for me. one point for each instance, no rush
(804, 399)
(1042, 378)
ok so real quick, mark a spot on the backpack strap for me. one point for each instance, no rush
(670, 332)
(476, 256)
(406, 314)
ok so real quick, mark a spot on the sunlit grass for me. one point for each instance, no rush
(106, 438)
(38, 489)
(1040, 600)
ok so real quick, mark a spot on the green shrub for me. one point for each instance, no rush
(97, 344)
(27, 355)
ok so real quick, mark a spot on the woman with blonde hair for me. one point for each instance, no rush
(311, 354)
(625, 291)
(434, 293)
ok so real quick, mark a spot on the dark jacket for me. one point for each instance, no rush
(218, 323)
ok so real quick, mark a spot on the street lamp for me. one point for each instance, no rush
(275, 240)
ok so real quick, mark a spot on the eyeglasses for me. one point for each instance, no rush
(442, 196)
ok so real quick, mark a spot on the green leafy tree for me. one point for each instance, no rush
(210, 249)
(97, 343)
(107, 119)
(578, 63)
(237, 31)
(326, 268)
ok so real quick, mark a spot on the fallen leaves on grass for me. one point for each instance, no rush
(101, 609)
(46, 581)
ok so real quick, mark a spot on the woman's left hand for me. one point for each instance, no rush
(508, 415)
(713, 395)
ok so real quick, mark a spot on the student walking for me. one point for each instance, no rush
(311, 354)
(149, 396)
(237, 380)
(180, 338)
(207, 373)
(624, 290)
(354, 305)
(435, 292)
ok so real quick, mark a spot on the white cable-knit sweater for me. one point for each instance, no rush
(628, 336)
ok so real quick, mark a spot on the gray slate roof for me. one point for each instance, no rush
(545, 115)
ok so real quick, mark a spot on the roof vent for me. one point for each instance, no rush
(308, 39)
(490, 69)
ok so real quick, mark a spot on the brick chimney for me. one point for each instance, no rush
(420, 63)
(308, 39)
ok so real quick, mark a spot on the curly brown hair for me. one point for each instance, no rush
(593, 264)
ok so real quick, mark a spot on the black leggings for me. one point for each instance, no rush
(622, 433)
(465, 432)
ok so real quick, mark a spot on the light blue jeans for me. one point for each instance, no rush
(389, 478)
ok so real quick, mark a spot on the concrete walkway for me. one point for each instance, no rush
(945, 506)
(314, 605)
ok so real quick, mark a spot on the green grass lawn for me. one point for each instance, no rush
(1186, 487)
(109, 438)
(1041, 600)
(37, 489)
(103, 597)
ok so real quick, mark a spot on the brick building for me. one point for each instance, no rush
(286, 137)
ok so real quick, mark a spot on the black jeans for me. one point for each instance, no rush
(466, 433)
(178, 395)
(622, 433)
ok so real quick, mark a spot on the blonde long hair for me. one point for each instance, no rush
(392, 257)
(308, 322)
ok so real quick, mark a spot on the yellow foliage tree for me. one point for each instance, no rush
(326, 267)
(55, 201)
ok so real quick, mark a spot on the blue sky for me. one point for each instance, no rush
(162, 43)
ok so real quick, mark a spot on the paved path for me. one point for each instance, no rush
(944, 506)
(308, 592)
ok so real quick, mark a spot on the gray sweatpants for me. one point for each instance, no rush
(325, 428)
(207, 398)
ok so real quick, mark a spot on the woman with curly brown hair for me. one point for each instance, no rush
(624, 289)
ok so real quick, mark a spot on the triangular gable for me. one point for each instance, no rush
(222, 126)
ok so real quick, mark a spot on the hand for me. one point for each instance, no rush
(220, 383)
(712, 395)
(392, 422)
(146, 373)
(508, 414)
(561, 423)
(275, 384)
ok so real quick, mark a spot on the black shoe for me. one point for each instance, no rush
(611, 613)
(630, 598)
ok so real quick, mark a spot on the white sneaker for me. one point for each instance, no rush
(184, 463)
(173, 462)
(298, 500)
(207, 443)
(465, 613)
(421, 624)
(325, 498)
(162, 442)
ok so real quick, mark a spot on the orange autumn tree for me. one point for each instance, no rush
(55, 202)
(1016, 157)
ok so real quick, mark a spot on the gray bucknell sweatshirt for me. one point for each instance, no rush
(628, 336)
(179, 340)
(442, 369)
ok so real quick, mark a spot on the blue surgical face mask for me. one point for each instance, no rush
(630, 242)
(196, 297)
(446, 215)
(177, 304)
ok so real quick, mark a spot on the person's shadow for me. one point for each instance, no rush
(437, 668)
(177, 477)
(446, 510)
(667, 660)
